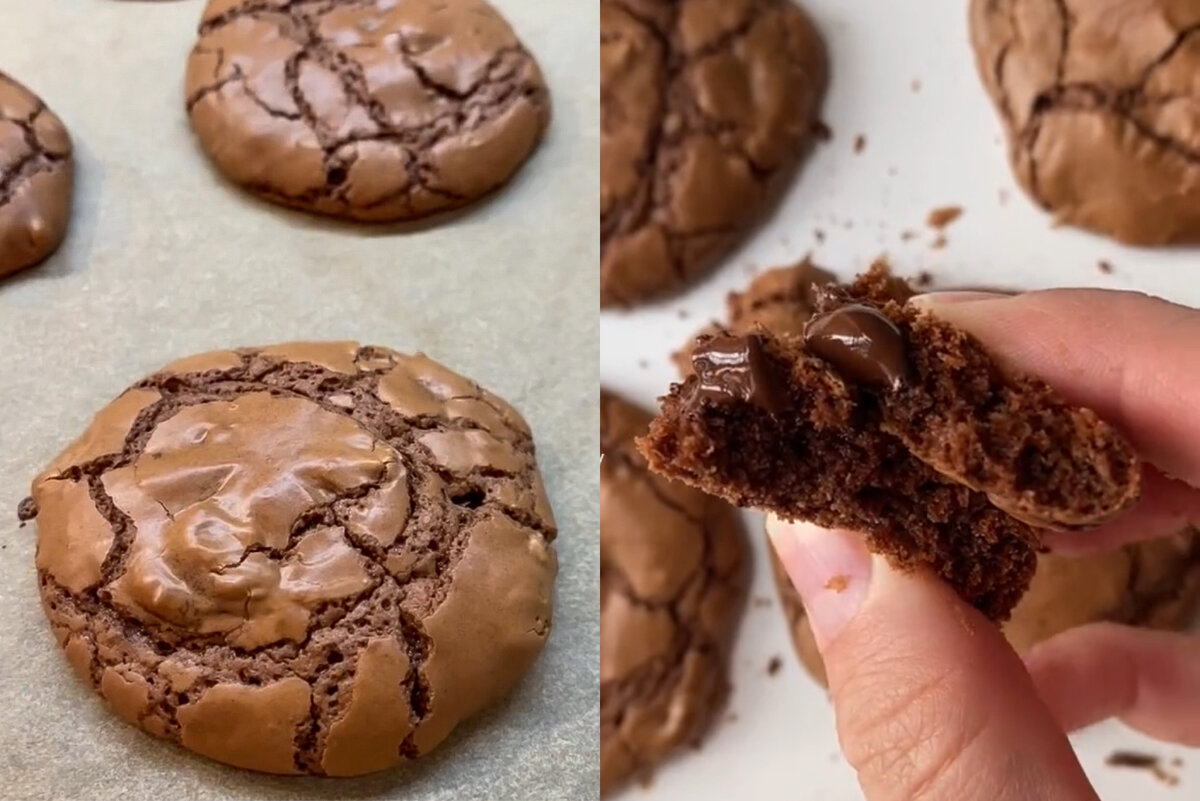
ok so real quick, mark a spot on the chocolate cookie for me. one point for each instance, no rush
(703, 102)
(1154, 584)
(377, 110)
(37, 178)
(308, 558)
(1098, 101)
(672, 582)
(885, 420)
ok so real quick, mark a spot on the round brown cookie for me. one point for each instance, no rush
(672, 582)
(37, 178)
(780, 300)
(1098, 100)
(1154, 584)
(375, 110)
(308, 558)
(703, 102)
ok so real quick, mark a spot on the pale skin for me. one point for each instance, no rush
(931, 702)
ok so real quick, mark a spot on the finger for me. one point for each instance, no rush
(931, 702)
(1166, 507)
(1131, 357)
(1148, 679)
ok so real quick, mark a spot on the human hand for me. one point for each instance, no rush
(931, 701)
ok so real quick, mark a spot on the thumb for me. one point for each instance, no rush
(931, 702)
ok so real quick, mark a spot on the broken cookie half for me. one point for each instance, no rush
(882, 419)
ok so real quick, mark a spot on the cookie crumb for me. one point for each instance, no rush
(27, 510)
(822, 131)
(924, 278)
(941, 217)
(644, 364)
(837, 583)
(915, 85)
(1177, 762)
(939, 243)
(1105, 267)
(818, 234)
(1142, 761)
(1003, 196)
(762, 602)
(892, 171)
(682, 314)
(860, 144)
(907, 236)
(774, 665)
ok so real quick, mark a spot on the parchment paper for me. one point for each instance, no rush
(164, 259)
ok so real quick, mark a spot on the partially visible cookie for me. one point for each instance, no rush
(377, 111)
(703, 104)
(37, 178)
(308, 558)
(1154, 584)
(672, 583)
(885, 420)
(1099, 101)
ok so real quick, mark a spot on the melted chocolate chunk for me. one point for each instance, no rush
(861, 343)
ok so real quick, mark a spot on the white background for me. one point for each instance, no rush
(934, 147)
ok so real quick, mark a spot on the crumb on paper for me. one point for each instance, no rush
(822, 131)
(1105, 267)
(915, 85)
(27, 510)
(860, 144)
(837, 583)
(1140, 760)
(1177, 762)
(774, 665)
(818, 234)
(893, 171)
(642, 363)
(924, 278)
(682, 314)
(731, 717)
(939, 243)
(943, 215)
(907, 235)
(848, 224)
(1003, 195)
(762, 602)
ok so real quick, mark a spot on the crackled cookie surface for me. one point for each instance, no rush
(672, 581)
(373, 110)
(36, 178)
(703, 102)
(1099, 100)
(309, 558)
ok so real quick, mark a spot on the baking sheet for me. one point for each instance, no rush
(904, 79)
(164, 259)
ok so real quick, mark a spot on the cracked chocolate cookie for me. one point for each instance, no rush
(308, 558)
(1153, 584)
(37, 178)
(672, 582)
(1098, 100)
(882, 419)
(703, 103)
(372, 110)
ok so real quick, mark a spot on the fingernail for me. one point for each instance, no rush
(830, 568)
(948, 298)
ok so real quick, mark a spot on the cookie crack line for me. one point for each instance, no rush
(38, 160)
